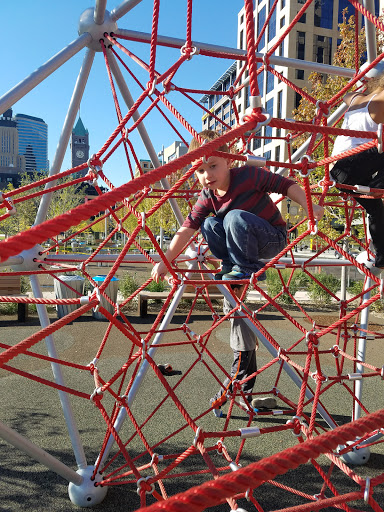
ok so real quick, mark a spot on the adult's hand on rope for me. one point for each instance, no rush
(159, 271)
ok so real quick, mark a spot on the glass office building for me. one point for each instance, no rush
(33, 142)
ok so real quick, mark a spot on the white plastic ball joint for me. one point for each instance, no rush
(369, 263)
(87, 25)
(358, 456)
(30, 259)
(87, 494)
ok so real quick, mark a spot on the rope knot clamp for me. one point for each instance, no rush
(144, 486)
(305, 159)
(84, 300)
(97, 392)
(248, 432)
(95, 164)
(256, 161)
(97, 294)
(168, 87)
(313, 228)
(335, 351)
(362, 189)
(380, 138)
(10, 206)
(151, 86)
(198, 435)
(250, 115)
(316, 377)
(220, 447)
(367, 490)
(155, 459)
(189, 52)
(321, 107)
(234, 467)
(142, 220)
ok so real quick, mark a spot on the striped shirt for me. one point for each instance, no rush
(248, 190)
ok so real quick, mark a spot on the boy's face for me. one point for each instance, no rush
(215, 174)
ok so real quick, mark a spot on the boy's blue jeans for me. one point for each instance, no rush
(242, 238)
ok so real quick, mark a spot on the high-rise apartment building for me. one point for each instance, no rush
(11, 162)
(33, 142)
(314, 39)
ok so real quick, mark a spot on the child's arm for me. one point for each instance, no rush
(180, 239)
(297, 194)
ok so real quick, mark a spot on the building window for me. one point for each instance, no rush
(300, 41)
(260, 83)
(297, 99)
(272, 22)
(267, 155)
(322, 49)
(242, 19)
(241, 40)
(323, 16)
(282, 22)
(303, 18)
(279, 104)
(282, 4)
(300, 74)
(257, 142)
(269, 109)
(277, 154)
(270, 82)
(260, 24)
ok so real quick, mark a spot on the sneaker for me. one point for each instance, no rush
(268, 402)
(236, 274)
(224, 270)
(216, 411)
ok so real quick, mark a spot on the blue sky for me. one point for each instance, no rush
(35, 31)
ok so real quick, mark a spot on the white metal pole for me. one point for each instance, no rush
(58, 376)
(29, 83)
(370, 32)
(123, 8)
(66, 131)
(34, 451)
(275, 60)
(142, 131)
(100, 11)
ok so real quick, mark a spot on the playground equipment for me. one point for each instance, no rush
(301, 361)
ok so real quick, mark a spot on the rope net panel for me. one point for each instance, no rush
(305, 371)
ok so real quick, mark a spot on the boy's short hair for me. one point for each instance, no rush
(207, 135)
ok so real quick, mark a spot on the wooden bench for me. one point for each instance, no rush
(10, 286)
(145, 295)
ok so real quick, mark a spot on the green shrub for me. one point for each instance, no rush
(355, 287)
(128, 285)
(274, 284)
(317, 293)
(8, 308)
(25, 284)
(156, 287)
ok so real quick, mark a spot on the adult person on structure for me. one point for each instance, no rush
(365, 112)
(238, 219)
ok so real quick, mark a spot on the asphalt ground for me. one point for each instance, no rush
(34, 410)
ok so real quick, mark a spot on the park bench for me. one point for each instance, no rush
(10, 286)
(146, 295)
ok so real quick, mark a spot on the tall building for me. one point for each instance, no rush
(33, 142)
(11, 162)
(80, 145)
(314, 38)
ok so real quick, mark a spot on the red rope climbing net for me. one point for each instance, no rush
(319, 358)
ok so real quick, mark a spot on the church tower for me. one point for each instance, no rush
(80, 145)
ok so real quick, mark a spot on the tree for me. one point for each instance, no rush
(323, 88)
(62, 201)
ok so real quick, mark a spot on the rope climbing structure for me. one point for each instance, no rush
(156, 432)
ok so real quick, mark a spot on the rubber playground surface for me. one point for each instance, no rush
(34, 411)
